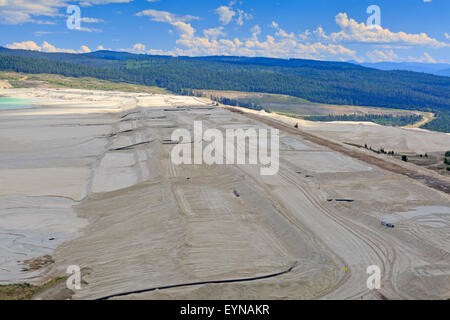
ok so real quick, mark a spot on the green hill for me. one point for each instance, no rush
(317, 81)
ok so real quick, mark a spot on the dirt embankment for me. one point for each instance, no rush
(4, 84)
(426, 117)
(420, 175)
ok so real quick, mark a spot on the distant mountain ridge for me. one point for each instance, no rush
(439, 69)
(105, 55)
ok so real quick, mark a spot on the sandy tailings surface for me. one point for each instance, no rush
(92, 171)
(4, 84)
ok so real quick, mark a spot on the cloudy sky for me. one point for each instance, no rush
(410, 30)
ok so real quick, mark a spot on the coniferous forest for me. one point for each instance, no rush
(317, 81)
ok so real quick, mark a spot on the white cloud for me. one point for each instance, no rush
(25, 45)
(242, 16)
(184, 29)
(159, 52)
(84, 49)
(286, 48)
(281, 33)
(139, 48)
(352, 31)
(226, 14)
(41, 33)
(213, 42)
(86, 29)
(178, 22)
(164, 16)
(273, 46)
(256, 31)
(45, 47)
(447, 36)
(91, 20)
(281, 43)
(87, 3)
(214, 33)
(426, 58)
(379, 55)
(23, 11)
(14, 17)
(390, 56)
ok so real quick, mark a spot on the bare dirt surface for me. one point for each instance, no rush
(430, 178)
(4, 84)
(299, 107)
(426, 117)
(142, 222)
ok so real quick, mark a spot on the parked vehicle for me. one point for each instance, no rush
(389, 225)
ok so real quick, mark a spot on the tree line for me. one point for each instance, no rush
(331, 83)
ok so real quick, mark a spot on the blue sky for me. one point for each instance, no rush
(410, 30)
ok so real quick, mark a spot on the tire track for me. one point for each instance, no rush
(382, 250)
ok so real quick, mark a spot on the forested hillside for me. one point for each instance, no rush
(316, 81)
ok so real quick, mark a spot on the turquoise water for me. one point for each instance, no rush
(14, 103)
